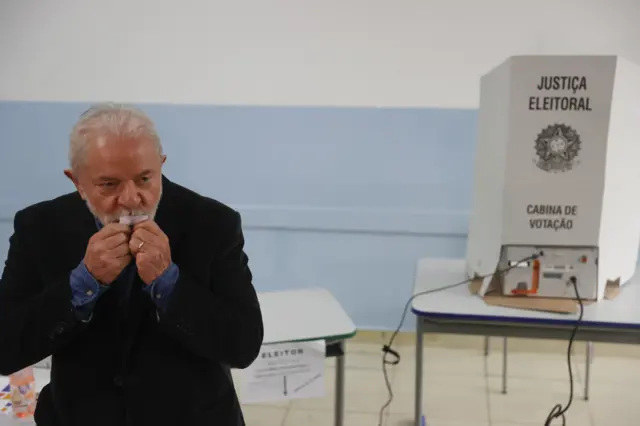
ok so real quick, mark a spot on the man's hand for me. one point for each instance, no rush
(108, 252)
(150, 247)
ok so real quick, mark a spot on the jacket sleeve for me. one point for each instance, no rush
(36, 314)
(220, 320)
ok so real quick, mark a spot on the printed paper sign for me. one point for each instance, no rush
(285, 371)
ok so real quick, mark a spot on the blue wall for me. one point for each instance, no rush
(344, 198)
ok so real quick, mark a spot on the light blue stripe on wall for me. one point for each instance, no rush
(344, 198)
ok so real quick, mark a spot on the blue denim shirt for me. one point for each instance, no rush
(85, 289)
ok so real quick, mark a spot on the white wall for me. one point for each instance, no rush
(291, 52)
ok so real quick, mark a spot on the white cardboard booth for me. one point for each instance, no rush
(557, 170)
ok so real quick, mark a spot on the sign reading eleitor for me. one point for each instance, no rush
(558, 126)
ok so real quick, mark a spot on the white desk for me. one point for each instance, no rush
(457, 311)
(309, 314)
(303, 315)
(290, 316)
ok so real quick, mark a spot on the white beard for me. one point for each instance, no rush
(115, 218)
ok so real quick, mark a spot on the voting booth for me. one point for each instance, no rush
(557, 170)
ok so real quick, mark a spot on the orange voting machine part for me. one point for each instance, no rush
(535, 281)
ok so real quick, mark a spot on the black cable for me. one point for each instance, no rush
(387, 348)
(557, 411)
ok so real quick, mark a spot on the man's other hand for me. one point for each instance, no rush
(150, 246)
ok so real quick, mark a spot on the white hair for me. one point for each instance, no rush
(108, 119)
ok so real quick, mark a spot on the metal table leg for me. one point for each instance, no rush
(505, 351)
(418, 390)
(340, 367)
(486, 345)
(587, 374)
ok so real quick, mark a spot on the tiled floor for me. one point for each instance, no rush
(462, 387)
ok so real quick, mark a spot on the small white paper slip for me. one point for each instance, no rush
(132, 220)
(285, 371)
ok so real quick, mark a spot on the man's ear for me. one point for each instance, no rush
(164, 158)
(69, 173)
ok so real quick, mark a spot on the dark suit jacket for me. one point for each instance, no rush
(128, 365)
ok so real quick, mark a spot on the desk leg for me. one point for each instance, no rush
(418, 390)
(340, 367)
(505, 351)
(587, 373)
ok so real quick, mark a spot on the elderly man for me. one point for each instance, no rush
(143, 319)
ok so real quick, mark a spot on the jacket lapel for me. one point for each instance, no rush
(168, 217)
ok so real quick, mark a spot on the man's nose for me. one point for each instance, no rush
(129, 197)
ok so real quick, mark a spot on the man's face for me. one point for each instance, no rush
(120, 176)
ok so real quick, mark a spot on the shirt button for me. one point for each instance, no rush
(158, 296)
(89, 293)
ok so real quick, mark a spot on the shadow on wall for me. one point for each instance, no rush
(344, 198)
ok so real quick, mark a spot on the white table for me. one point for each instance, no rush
(291, 316)
(457, 311)
(305, 315)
